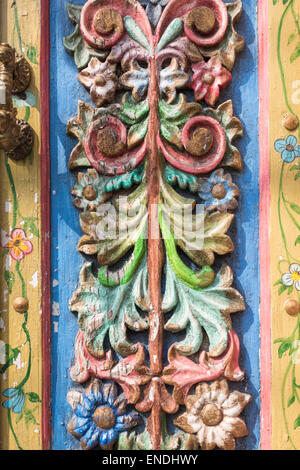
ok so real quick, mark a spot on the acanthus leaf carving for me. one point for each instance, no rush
(143, 143)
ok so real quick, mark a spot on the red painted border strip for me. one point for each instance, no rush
(45, 203)
(264, 222)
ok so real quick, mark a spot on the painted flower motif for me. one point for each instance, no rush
(15, 400)
(101, 80)
(213, 414)
(218, 192)
(89, 192)
(136, 78)
(293, 277)
(18, 245)
(99, 415)
(288, 148)
(154, 9)
(171, 78)
(208, 79)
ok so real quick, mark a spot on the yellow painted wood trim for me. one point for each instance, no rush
(20, 27)
(284, 69)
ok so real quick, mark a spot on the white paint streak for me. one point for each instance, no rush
(35, 279)
(5, 294)
(2, 325)
(2, 352)
(18, 362)
(55, 309)
(8, 206)
(7, 262)
(4, 238)
(154, 325)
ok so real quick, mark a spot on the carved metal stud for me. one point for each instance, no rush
(16, 135)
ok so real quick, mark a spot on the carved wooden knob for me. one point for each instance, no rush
(109, 142)
(21, 304)
(89, 193)
(201, 18)
(107, 21)
(290, 122)
(201, 142)
(291, 307)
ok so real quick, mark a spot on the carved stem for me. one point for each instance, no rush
(155, 252)
(154, 421)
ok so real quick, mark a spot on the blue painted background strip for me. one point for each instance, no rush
(66, 232)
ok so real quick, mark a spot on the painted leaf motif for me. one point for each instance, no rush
(103, 311)
(75, 44)
(203, 234)
(197, 309)
(232, 42)
(111, 234)
(175, 177)
(132, 112)
(125, 181)
(233, 128)
(128, 144)
(174, 116)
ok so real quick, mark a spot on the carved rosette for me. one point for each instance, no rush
(141, 142)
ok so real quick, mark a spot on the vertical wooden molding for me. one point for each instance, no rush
(45, 198)
(264, 255)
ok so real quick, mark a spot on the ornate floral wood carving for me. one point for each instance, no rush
(143, 143)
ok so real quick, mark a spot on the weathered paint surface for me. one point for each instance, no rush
(284, 60)
(20, 206)
(66, 262)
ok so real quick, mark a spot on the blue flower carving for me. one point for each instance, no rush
(15, 400)
(218, 192)
(288, 148)
(99, 415)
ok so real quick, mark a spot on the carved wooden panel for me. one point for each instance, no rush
(155, 130)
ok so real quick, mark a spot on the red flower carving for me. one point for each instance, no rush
(208, 79)
(18, 245)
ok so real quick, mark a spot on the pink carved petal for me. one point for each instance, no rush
(125, 372)
(181, 8)
(87, 365)
(184, 373)
(212, 95)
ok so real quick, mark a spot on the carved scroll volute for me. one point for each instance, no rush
(16, 135)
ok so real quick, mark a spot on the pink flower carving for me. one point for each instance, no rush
(18, 245)
(208, 79)
(101, 80)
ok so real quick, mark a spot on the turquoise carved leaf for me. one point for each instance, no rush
(197, 309)
(110, 311)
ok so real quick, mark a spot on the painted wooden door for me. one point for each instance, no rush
(153, 228)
